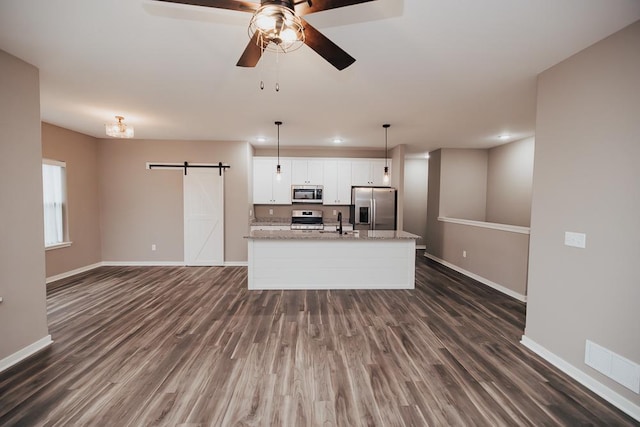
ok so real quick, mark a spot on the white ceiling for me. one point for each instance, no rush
(444, 73)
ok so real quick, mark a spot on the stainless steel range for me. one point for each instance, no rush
(306, 220)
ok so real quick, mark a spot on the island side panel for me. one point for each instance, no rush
(331, 264)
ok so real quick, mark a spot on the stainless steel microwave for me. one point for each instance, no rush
(306, 193)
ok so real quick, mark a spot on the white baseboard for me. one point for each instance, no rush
(236, 264)
(72, 272)
(143, 263)
(589, 382)
(480, 279)
(27, 351)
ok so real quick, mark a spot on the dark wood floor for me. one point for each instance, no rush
(192, 346)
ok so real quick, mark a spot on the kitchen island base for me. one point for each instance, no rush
(331, 263)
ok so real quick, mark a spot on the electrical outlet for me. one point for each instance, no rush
(153, 247)
(464, 254)
(335, 212)
(270, 211)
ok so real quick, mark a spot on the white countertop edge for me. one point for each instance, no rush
(316, 235)
(492, 225)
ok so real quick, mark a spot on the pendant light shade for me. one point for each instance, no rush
(278, 169)
(386, 127)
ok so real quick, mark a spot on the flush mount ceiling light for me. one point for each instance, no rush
(277, 28)
(386, 157)
(504, 137)
(337, 141)
(119, 129)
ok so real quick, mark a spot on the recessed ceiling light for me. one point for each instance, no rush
(337, 141)
(261, 139)
(504, 137)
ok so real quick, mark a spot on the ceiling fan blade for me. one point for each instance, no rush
(242, 6)
(252, 53)
(303, 7)
(325, 47)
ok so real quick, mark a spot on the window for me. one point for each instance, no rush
(55, 203)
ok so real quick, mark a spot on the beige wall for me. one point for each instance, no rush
(23, 312)
(496, 255)
(463, 182)
(284, 211)
(509, 183)
(587, 179)
(433, 239)
(415, 197)
(141, 207)
(80, 152)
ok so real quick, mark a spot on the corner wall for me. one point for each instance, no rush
(23, 311)
(80, 152)
(141, 207)
(495, 257)
(587, 179)
(510, 182)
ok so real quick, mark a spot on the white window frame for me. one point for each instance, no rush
(65, 241)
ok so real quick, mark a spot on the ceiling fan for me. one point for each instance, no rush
(278, 25)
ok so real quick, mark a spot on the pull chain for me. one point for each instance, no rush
(277, 71)
(261, 79)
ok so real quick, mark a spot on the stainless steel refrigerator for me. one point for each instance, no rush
(373, 208)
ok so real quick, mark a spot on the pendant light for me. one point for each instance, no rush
(278, 123)
(386, 127)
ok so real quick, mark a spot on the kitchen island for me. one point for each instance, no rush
(292, 259)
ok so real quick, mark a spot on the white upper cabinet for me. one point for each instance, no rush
(369, 172)
(267, 188)
(337, 182)
(307, 172)
(337, 175)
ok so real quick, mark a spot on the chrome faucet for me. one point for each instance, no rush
(339, 222)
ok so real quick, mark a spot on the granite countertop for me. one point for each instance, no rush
(326, 235)
(271, 220)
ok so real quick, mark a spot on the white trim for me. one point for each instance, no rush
(589, 382)
(143, 263)
(73, 272)
(492, 225)
(480, 279)
(58, 246)
(236, 264)
(421, 247)
(27, 351)
(54, 163)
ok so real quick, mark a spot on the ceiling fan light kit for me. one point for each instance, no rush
(279, 29)
(277, 25)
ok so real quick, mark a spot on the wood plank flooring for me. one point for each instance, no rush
(191, 346)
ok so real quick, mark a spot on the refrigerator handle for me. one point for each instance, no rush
(373, 213)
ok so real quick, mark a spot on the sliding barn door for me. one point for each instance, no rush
(203, 217)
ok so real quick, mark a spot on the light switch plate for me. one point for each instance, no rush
(576, 240)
